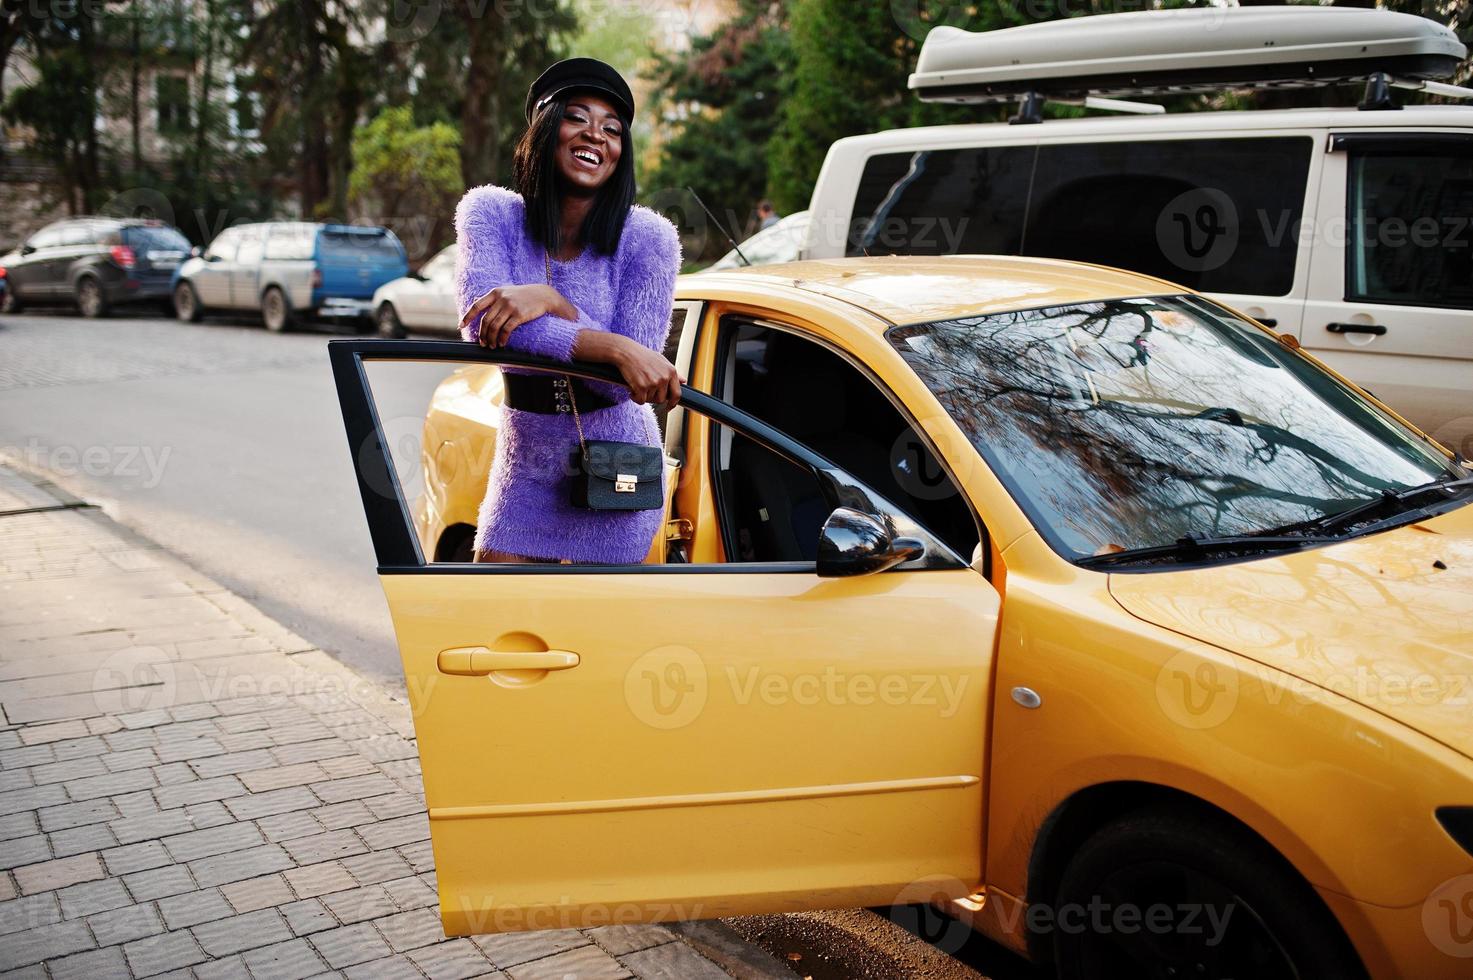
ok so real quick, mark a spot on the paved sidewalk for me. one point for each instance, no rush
(189, 789)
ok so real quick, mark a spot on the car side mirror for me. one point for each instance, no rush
(855, 543)
(27, 249)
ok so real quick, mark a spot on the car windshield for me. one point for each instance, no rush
(1134, 423)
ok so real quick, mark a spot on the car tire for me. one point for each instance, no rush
(276, 311)
(389, 325)
(9, 303)
(187, 306)
(1277, 927)
(91, 301)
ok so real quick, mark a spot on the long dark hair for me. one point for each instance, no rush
(534, 171)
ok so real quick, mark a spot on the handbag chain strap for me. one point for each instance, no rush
(567, 379)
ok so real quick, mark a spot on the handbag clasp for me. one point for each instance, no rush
(626, 482)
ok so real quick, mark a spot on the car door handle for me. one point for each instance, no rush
(478, 661)
(1371, 328)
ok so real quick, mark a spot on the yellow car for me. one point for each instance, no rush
(1054, 595)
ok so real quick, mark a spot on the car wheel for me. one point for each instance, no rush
(186, 303)
(388, 322)
(1165, 895)
(276, 312)
(9, 302)
(90, 300)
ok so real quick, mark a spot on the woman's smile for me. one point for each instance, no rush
(589, 142)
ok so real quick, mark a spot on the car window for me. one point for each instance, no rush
(439, 422)
(159, 238)
(251, 247)
(442, 266)
(46, 237)
(942, 202)
(359, 245)
(75, 233)
(293, 241)
(225, 245)
(817, 397)
(1410, 239)
(1216, 215)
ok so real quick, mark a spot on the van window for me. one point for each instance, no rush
(942, 202)
(1217, 215)
(1411, 240)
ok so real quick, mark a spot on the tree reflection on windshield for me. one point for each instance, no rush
(1133, 423)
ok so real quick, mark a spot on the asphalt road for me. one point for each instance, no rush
(224, 444)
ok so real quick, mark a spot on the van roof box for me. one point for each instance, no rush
(1160, 52)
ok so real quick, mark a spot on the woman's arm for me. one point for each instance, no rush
(491, 305)
(635, 341)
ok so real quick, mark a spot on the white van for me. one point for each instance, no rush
(1349, 229)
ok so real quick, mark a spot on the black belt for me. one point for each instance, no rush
(547, 394)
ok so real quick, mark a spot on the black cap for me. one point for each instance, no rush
(582, 74)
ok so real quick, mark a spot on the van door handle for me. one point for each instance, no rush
(478, 661)
(1371, 328)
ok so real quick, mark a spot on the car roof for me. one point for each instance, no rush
(918, 289)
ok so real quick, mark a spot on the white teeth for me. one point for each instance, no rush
(588, 155)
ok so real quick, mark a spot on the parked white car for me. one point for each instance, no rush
(781, 242)
(420, 302)
(1350, 230)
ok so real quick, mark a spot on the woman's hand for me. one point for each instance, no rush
(648, 375)
(505, 308)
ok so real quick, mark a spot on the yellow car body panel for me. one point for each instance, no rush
(1223, 685)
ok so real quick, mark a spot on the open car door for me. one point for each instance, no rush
(615, 744)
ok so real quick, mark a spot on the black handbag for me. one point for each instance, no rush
(610, 475)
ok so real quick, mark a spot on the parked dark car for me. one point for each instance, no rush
(94, 263)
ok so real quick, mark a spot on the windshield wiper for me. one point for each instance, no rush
(1388, 499)
(1195, 546)
(1290, 538)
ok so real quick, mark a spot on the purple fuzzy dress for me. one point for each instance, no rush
(526, 509)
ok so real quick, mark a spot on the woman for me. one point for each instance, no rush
(567, 266)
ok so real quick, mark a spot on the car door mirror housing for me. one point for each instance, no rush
(853, 542)
(27, 249)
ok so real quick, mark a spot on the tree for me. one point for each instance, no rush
(407, 176)
(728, 92)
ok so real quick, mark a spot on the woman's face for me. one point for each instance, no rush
(589, 142)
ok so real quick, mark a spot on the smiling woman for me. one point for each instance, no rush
(566, 266)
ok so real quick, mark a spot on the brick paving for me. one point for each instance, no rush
(187, 789)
